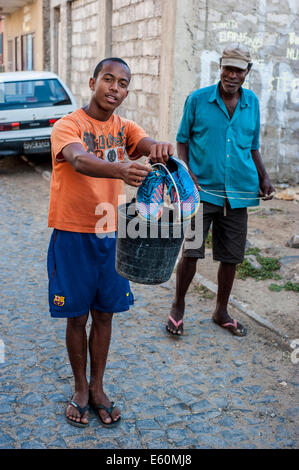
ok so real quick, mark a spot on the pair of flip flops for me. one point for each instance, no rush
(234, 327)
(95, 407)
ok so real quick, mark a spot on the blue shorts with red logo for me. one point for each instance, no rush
(82, 275)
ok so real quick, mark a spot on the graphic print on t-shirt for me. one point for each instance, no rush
(111, 148)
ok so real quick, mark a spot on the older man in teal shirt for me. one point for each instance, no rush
(218, 139)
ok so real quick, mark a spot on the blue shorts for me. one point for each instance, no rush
(82, 275)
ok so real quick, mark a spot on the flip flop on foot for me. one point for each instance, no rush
(96, 407)
(177, 324)
(234, 327)
(82, 410)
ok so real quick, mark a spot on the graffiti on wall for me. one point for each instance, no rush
(284, 85)
(293, 47)
(230, 32)
(273, 78)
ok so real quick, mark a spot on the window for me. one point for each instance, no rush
(32, 94)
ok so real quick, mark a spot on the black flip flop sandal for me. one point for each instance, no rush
(81, 411)
(96, 407)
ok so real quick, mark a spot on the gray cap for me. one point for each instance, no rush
(236, 55)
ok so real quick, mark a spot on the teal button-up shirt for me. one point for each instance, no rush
(220, 146)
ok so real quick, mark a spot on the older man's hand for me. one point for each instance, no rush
(266, 189)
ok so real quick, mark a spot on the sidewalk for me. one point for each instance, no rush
(206, 389)
(270, 226)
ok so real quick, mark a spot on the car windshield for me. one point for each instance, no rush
(32, 94)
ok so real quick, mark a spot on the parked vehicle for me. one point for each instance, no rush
(30, 104)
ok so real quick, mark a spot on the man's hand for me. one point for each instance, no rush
(160, 151)
(133, 173)
(266, 188)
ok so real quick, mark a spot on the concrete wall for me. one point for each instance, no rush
(268, 28)
(80, 38)
(90, 30)
(173, 47)
(84, 19)
(136, 31)
(46, 34)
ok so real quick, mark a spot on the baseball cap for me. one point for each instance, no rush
(236, 55)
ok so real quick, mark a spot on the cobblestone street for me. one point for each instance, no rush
(206, 389)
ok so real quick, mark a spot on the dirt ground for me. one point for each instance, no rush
(206, 388)
(270, 226)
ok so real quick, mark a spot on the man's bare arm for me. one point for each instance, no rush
(132, 173)
(266, 187)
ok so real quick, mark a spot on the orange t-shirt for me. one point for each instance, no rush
(75, 198)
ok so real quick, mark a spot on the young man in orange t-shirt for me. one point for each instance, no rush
(88, 148)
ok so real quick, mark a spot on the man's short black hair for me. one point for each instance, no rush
(109, 59)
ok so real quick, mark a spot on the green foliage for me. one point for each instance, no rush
(203, 291)
(253, 251)
(209, 240)
(275, 287)
(294, 286)
(269, 265)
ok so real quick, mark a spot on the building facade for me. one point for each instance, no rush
(172, 48)
(26, 46)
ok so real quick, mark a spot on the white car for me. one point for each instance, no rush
(30, 104)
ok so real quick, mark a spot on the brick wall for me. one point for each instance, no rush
(84, 57)
(135, 37)
(270, 30)
(136, 30)
(162, 76)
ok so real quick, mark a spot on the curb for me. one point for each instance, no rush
(45, 174)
